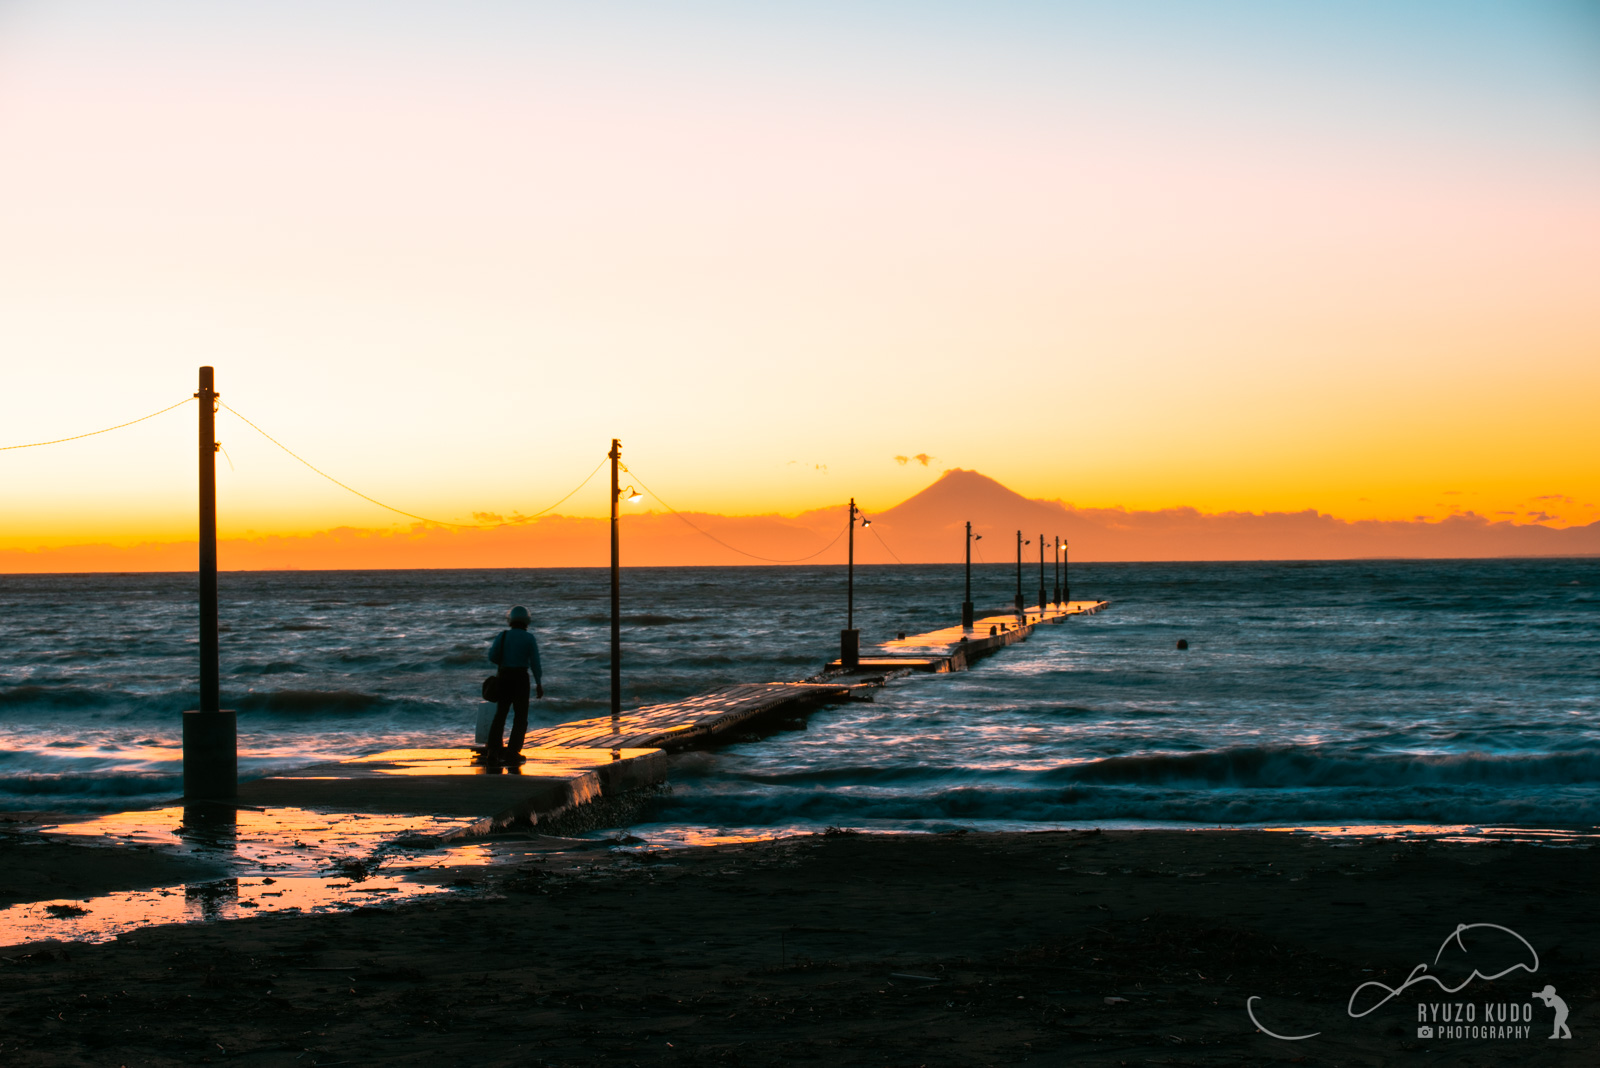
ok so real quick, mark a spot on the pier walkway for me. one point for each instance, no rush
(576, 763)
(956, 649)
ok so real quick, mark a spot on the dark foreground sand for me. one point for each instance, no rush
(788, 953)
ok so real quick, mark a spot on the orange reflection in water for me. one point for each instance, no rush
(100, 919)
(549, 761)
(1444, 832)
(272, 860)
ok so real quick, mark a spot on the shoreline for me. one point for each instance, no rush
(846, 948)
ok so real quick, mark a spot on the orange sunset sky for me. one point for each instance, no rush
(1237, 257)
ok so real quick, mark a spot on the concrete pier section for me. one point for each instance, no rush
(565, 766)
(957, 648)
(578, 763)
(451, 782)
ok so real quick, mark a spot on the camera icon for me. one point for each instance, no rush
(1424, 1032)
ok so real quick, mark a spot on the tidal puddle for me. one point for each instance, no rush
(1556, 837)
(271, 860)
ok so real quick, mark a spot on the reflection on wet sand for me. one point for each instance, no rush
(103, 918)
(277, 860)
(297, 861)
(1546, 836)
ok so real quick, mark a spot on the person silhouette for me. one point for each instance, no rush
(515, 652)
(1551, 1001)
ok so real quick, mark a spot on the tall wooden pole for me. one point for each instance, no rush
(966, 604)
(210, 686)
(1041, 575)
(1058, 570)
(1066, 580)
(850, 573)
(210, 739)
(1019, 573)
(616, 588)
(850, 637)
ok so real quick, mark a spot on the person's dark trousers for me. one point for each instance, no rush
(514, 690)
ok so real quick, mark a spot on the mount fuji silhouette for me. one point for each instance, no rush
(960, 495)
(929, 527)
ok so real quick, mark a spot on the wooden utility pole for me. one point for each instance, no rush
(850, 637)
(210, 733)
(1019, 573)
(1041, 576)
(1066, 580)
(1058, 570)
(966, 605)
(616, 588)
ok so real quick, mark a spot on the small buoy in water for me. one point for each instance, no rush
(1183, 643)
(902, 635)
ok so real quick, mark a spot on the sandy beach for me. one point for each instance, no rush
(1115, 948)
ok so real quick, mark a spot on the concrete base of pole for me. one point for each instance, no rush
(210, 756)
(966, 615)
(850, 649)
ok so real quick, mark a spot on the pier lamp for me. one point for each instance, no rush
(210, 732)
(850, 637)
(1057, 562)
(1066, 583)
(966, 605)
(1020, 544)
(1041, 576)
(630, 495)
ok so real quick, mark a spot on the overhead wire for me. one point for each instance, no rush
(885, 544)
(401, 511)
(92, 433)
(719, 541)
(447, 523)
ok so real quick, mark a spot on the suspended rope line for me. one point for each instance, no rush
(401, 511)
(875, 534)
(725, 545)
(107, 430)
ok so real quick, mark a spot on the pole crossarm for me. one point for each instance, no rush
(92, 433)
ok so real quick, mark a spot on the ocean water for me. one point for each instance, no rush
(1455, 692)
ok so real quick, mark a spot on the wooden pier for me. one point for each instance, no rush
(956, 649)
(565, 766)
(683, 724)
(574, 764)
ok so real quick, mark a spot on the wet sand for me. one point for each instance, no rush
(845, 949)
(35, 869)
